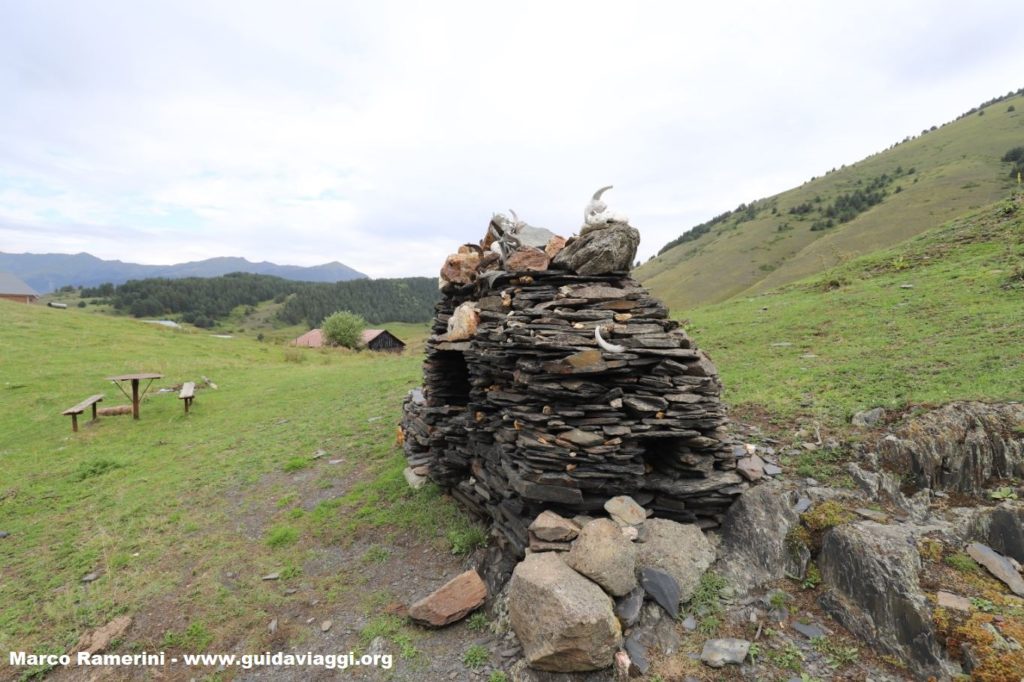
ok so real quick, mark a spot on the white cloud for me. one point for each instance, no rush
(384, 134)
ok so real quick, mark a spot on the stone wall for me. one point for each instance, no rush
(547, 389)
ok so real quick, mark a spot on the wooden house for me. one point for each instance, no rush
(12, 288)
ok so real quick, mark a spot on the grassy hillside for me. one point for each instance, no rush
(940, 175)
(289, 467)
(937, 318)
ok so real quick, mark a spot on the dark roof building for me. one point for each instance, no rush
(372, 339)
(12, 288)
(382, 340)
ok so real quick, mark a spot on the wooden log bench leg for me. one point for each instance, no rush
(74, 423)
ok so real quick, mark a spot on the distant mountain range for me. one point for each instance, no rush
(47, 272)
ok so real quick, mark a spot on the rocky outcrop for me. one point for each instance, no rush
(962, 446)
(603, 554)
(564, 622)
(679, 549)
(871, 575)
(754, 549)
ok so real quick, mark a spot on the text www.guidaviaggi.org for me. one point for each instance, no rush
(244, 661)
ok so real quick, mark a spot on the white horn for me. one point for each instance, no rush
(610, 347)
(598, 193)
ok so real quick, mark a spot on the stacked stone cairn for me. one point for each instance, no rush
(555, 381)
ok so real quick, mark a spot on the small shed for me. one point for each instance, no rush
(382, 340)
(12, 288)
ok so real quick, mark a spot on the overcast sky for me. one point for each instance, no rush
(383, 135)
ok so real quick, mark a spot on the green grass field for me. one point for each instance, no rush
(183, 515)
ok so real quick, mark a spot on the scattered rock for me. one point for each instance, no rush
(554, 245)
(91, 577)
(326, 625)
(625, 510)
(538, 545)
(663, 588)
(460, 268)
(452, 601)
(681, 550)
(802, 505)
(98, 640)
(414, 480)
(564, 622)
(718, 653)
(690, 624)
(872, 515)
(318, 454)
(870, 572)
(272, 628)
(772, 469)
(600, 251)
(948, 600)
(809, 630)
(631, 533)
(602, 554)
(997, 565)
(637, 655)
(868, 417)
(528, 259)
(627, 608)
(623, 664)
(463, 322)
(4, 534)
(754, 549)
(552, 527)
(751, 468)
(1006, 530)
(271, 576)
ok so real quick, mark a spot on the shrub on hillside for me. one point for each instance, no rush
(344, 328)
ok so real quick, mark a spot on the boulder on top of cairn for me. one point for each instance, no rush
(679, 549)
(564, 622)
(452, 601)
(604, 555)
(600, 250)
(460, 268)
(528, 259)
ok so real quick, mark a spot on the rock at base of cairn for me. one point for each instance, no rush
(564, 622)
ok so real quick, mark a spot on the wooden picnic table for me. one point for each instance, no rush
(135, 379)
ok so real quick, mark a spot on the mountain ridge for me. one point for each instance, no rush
(875, 203)
(46, 272)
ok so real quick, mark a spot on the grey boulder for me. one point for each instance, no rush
(603, 554)
(600, 250)
(679, 549)
(564, 622)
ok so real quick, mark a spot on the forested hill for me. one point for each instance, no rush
(409, 299)
(205, 300)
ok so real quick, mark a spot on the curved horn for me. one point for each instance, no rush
(610, 347)
(598, 193)
(514, 216)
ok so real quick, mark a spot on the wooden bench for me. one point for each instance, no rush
(80, 408)
(187, 394)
